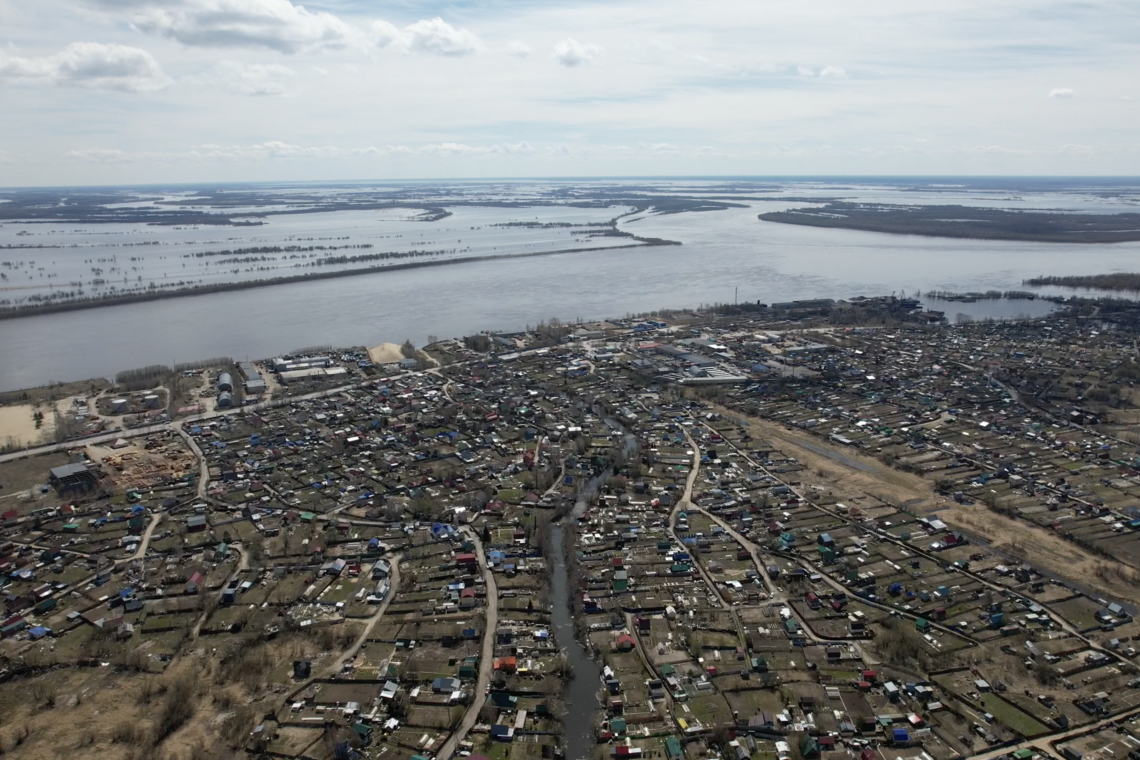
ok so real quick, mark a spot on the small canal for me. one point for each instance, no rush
(581, 693)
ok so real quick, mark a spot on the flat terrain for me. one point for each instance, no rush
(386, 353)
(370, 561)
(18, 426)
(967, 222)
(915, 494)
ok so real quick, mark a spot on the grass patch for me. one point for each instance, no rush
(710, 711)
(1010, 716)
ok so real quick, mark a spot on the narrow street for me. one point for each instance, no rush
(684, 504)
(486, 657)
(393, 583)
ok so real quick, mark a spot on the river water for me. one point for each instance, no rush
(581, 694)
(725, 254)
(101, 258)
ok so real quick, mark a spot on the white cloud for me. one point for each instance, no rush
(4, 159)
(92, 65)
(440, 38)
(289, 28)
(518, 49)
(272, 149)
(805, 71)
(1062, 92)
(246, 78)
(275, 24)
(460, 149)
(833, 72)
(100, 156)
(382, 34)
(571, 53)
(660, 149)
(444, 149)
(277, 150)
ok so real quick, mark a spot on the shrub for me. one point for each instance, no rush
(177, 708)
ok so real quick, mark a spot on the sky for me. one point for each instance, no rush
(169, 91)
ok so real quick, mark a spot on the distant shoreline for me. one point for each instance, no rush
(967, 222)
(1120, 281)
(199, 290)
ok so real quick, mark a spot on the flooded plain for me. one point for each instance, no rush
(724, 255)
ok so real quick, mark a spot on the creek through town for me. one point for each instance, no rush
(581, 694)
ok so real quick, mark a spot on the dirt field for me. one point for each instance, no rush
(18, 427)
(22, 474)
(54, 392)
(202, 707)
(845, 470)
(386, 353)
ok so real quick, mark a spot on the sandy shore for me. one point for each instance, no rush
(386, 353)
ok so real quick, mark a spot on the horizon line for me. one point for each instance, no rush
(600, 178)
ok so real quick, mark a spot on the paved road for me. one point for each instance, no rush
(89, 441)
(206, 416)
(269, 403)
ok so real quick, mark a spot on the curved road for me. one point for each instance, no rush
(486, 656)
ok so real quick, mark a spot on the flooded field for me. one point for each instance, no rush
(65, 261)
(724, 253)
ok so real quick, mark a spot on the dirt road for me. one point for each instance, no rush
(486, 657)
(350, 653)
(829, 466)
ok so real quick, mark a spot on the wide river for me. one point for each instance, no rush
(722, 251)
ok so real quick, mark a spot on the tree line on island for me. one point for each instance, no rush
(1125, 281)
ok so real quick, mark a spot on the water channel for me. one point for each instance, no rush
(725, 255)
(581, 694)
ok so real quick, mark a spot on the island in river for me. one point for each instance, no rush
(1121, 281)
(1044, 225)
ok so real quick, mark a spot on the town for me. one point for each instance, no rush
(836, 530)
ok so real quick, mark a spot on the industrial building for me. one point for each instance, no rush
(254, 383)
(309, 362)
(72, 477)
